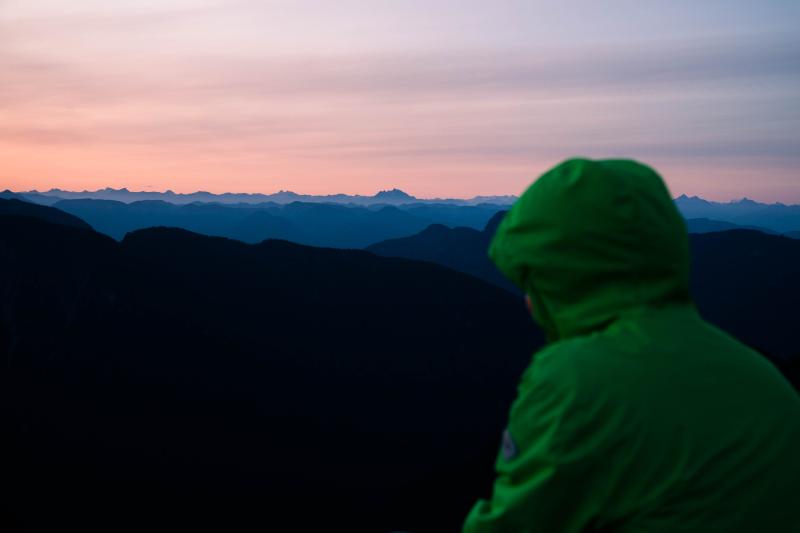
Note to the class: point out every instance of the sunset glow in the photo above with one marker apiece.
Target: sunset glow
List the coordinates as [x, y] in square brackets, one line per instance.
[440, 98]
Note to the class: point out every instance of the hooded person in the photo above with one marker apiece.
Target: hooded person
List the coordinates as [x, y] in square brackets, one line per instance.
[638, 415]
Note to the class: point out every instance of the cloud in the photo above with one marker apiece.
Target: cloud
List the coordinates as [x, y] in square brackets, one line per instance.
[459, 74]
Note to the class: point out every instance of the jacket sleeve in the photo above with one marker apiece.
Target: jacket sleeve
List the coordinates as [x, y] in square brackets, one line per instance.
[552, 475]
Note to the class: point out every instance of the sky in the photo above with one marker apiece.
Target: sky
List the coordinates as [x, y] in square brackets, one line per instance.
[441, 98]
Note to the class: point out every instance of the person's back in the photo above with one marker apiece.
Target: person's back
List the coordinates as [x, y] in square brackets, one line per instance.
[638, 415]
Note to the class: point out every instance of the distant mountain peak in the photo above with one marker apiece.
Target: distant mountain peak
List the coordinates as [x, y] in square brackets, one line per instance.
[745, 201]
[687, 197]
[394, 194]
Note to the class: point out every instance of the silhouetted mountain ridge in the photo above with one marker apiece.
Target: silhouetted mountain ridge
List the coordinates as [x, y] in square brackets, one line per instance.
[746, 281]
[462, 249]
[195, 381]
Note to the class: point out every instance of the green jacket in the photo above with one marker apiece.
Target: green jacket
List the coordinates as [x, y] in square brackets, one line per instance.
[637, 416]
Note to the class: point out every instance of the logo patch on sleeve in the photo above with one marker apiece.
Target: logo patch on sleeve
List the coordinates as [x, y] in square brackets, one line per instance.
[509, 447]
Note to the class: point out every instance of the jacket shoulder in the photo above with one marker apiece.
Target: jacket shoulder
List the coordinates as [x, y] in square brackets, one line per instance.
[576, 377]
[564, 373]
[567, 358]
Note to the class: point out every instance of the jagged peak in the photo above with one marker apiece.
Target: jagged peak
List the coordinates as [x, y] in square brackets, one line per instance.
[745, 201]
[393, 193]
[687, 197]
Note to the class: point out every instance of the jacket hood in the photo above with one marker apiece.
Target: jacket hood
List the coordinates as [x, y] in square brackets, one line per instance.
[592, 240]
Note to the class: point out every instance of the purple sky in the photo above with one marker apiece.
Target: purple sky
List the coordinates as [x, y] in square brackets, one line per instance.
[440, 98]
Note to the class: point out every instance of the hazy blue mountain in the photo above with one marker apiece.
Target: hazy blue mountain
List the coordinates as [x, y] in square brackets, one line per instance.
[199, 381]
[776, 217]
[453, 215]
[390, 197]
[319, 224]
[30, 197]
[706, 225]
[10, 195]
[13, 206]
[747, 213]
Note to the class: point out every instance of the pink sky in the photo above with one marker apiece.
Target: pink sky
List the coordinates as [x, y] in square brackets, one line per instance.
[441, 98]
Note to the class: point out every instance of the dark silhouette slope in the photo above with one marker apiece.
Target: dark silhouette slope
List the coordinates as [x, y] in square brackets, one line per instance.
[747, 282]
[13, 206]
[191, 381]
[462, 249]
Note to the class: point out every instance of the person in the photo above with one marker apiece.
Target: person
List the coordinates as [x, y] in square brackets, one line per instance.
[637, 415]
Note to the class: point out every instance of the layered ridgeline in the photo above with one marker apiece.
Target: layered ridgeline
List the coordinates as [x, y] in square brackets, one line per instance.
[390, 197]
[317, 224]
[188, 381]
[340, 220]
[777, 217]
[745, 281]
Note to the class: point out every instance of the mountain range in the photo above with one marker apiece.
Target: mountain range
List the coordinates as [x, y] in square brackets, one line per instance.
[318, 224]
[706, 215]
[388, 197]
[780, 218]
[312, 223]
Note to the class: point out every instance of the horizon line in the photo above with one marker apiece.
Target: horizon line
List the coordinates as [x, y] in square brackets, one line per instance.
[281, 191]
[356, 195]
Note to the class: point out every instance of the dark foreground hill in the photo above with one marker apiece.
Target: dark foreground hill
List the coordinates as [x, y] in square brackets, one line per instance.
[176, 380]
[747, 282]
